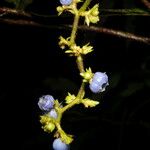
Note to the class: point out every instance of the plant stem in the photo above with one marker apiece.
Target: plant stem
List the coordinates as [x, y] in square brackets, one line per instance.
[74, 29]
[58, 126]
[80, 63]
[76, 20]
[76, 100]
[85, 5]
[79, 59]
[81, 91]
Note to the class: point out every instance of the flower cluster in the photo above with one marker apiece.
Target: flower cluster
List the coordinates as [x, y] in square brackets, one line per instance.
[92, 15]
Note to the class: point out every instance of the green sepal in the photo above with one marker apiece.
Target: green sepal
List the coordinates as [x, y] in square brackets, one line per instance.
[87, 75]
[47, 123]
[77, 50]
[69, 98]
[63, 42]
[66, 138]
[45, 119]
[49, 127]
[69, 8]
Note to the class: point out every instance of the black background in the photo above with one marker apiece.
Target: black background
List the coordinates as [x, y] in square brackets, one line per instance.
[31, 65]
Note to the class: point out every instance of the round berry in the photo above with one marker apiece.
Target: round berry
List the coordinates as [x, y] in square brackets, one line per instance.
[65, 2]
[99, 82]
[94, 87]
[46, 102]
[53, 113]
[59, 145]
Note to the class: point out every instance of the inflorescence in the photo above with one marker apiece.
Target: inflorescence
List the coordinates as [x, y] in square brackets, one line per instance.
[53, 110]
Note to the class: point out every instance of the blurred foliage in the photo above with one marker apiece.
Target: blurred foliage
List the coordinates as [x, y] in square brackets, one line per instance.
[131, 89]
[125, 12]
[20, 4]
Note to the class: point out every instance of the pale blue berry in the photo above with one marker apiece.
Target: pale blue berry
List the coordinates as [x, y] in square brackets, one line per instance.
[59, 145]
[94, 87]
[65, 2]
[99, 82]
[46, 102]
[53, 113]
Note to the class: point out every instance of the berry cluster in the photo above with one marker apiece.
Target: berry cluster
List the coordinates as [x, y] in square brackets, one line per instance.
[46, 103]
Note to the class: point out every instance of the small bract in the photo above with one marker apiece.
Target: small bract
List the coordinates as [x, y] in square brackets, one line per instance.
[65, 2]
[46, 102]
[59, 145]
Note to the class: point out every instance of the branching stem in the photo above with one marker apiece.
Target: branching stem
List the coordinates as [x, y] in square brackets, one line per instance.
[79, 59]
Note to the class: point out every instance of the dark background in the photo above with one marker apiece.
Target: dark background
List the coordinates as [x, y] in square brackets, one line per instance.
[32, 65]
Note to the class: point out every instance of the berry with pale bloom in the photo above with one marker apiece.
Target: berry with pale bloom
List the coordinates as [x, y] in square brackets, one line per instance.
[99, 82]
[46, 102]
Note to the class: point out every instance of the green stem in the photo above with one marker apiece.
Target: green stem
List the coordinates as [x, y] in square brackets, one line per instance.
[81, 91]
[79, 59]
[74, 29]
[58, 126]
[85, 5]
[74, 102]
[77, 99]
[59, 115]
[80, 64]
[76, 20]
